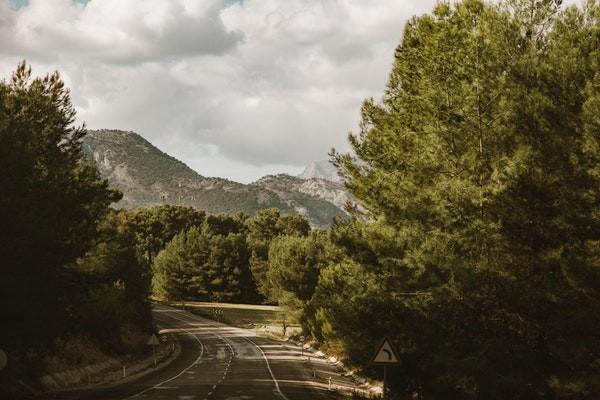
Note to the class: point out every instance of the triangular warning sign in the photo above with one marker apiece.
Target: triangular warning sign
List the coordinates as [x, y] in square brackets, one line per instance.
[386, 354]
[153, 340]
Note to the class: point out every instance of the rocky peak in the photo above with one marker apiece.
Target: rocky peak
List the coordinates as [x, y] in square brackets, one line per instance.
[321, 170]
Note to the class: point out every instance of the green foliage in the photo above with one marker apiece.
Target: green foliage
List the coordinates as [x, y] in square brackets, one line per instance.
[51, 204]
[224, 259]
[223, 224]
[176, 267]
[481, 169]
[294, 266]
[117, 282]
[155, 227]
[293, 224]
[70, 272]
[262, 229]
[201, 265]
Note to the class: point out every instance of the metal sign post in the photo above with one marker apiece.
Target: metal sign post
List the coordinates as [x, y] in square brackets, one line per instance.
[385, 355]
[384, 382]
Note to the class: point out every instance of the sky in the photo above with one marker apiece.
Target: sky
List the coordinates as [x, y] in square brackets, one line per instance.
[234, 88]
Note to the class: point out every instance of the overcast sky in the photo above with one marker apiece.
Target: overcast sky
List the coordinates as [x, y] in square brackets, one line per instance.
[236, 89]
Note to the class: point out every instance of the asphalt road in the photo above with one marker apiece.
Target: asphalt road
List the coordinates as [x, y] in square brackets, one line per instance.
[221, 362]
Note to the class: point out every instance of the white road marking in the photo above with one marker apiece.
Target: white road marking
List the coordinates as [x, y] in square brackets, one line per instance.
[206, 321]
[224, 340]
[269, 368]
[179, 374]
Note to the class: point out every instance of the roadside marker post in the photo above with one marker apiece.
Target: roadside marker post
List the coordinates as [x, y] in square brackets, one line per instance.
[153, 341]
[385, 355]
[302, 339]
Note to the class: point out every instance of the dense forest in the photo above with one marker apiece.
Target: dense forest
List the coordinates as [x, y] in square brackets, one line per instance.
[476, 249]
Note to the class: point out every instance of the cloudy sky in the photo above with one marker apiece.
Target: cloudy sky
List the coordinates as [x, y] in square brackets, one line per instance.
[234, 88]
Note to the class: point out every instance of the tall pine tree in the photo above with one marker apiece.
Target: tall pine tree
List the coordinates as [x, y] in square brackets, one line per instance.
[50, 207]
[481, 166]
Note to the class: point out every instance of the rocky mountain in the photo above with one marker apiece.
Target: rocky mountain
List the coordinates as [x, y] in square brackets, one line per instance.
[318, 198]
[320, 170]
[148, 177]
[332, 192]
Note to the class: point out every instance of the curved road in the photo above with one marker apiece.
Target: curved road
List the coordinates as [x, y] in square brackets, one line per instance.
[218, 362]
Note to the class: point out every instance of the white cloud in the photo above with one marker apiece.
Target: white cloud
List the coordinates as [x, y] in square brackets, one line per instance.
[234, 89]
[125, 31]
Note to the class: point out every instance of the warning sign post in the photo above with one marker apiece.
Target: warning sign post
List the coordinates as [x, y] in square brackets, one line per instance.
[385, 355]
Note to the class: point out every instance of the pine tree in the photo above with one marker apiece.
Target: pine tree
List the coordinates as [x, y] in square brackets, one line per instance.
[480, 166]
[50, 207]
[262, 229]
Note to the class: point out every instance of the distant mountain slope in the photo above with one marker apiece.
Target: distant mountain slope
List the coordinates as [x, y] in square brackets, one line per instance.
[149, 177]
[323, 189]
[321, 170]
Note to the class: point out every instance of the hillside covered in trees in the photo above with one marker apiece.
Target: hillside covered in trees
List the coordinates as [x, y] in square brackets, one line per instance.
[147, 177]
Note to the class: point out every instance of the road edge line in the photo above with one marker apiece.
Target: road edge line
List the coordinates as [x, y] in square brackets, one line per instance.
[269, 368]
[180, 373]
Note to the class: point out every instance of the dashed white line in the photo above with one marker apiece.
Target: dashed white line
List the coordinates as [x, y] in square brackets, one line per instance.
[277, 388]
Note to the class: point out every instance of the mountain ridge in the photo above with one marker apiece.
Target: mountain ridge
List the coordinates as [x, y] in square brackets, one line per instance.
[147, 177]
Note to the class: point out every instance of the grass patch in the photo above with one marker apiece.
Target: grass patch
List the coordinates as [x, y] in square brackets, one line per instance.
[264, 319]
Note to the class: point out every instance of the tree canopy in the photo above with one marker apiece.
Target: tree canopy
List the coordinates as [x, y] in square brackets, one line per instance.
[50, 208]
[71, 271]
[480, 168]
